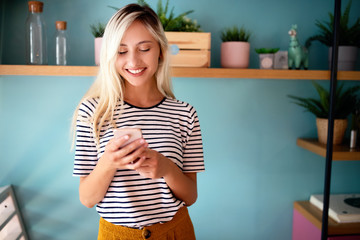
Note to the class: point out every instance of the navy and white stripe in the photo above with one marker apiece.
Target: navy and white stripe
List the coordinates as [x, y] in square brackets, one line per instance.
[172, 128]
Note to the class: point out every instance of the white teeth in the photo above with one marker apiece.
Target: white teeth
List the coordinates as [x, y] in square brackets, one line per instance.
[135, 71]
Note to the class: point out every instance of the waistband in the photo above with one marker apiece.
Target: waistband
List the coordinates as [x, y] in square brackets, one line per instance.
[146, 232]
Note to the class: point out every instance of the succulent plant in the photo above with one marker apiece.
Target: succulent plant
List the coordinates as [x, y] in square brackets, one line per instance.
[235, 34]
[97, 29]
[266, 50]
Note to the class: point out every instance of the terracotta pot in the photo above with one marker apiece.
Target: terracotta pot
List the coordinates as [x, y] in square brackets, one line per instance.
[340, 126]
[98, 42]
[235, 54]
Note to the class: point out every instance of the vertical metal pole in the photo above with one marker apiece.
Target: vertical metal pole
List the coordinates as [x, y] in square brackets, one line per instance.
[329, 147]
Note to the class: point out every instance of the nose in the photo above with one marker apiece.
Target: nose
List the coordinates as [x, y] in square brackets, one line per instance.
[133, 59]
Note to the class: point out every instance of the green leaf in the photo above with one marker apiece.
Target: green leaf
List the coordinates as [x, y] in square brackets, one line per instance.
[346, 101]
[235, 34]
[178, 23]
[348, 36]
[98, 29]
[266, 50]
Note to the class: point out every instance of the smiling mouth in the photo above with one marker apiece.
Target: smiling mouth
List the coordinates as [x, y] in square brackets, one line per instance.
[136, 71]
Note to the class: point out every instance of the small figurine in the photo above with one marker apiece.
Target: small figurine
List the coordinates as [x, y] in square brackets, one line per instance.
[297, 55]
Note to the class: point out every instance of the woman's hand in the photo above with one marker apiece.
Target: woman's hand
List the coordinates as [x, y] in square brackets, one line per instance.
[93, 187]
[156, 165]
[128, 157]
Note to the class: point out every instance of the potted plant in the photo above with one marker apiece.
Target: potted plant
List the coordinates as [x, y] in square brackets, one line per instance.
[345, 103]
[349, 39]
[189, 46]
[266, 57]
[180, 23]
[97, 31]
[235, 47]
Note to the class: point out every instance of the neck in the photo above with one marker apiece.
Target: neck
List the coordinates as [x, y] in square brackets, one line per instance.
[144, 96]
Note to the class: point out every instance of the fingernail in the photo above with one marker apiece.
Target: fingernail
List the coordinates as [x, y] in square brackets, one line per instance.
[142, 141]
[126, 137]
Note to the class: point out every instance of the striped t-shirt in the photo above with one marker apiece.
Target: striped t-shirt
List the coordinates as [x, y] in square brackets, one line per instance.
[171, 128]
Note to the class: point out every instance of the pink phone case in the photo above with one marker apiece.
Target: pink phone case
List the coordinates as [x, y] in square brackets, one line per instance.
[134, 134]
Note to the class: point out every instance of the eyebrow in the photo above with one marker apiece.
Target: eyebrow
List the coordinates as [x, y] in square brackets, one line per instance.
[139, 43]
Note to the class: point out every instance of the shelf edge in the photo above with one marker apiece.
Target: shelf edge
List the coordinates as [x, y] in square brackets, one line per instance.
[320, 149]
[52, 70]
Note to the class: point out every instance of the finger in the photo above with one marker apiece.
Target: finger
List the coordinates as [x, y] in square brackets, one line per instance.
[115, 143]
[144, 173]
[133, 156]
[137, 163]
[130, 148]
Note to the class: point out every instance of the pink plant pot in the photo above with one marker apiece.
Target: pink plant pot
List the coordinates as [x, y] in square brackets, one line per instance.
[235, 54]
[98, 42]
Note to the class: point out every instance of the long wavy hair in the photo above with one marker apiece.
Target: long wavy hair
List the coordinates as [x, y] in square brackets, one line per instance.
[108, 87]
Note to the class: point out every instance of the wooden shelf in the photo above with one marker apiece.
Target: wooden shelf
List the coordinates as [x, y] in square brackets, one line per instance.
[263, 73]
[314, 215]
[340, 152]
[48, 70]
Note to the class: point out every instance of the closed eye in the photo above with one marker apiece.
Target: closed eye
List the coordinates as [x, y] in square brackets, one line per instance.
[122, 52]
[144, 50]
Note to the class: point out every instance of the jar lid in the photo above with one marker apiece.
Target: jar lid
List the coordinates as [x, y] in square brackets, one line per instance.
[60, 25]
[35, 6]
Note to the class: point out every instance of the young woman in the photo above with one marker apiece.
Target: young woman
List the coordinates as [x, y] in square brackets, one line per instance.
[140, 190]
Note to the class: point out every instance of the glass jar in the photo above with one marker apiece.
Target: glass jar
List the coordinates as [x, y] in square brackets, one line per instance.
[61, 43]
[35, 35]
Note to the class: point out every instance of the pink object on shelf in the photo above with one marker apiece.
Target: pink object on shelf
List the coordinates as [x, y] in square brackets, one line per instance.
[303, 229]
[235, 54]
[98, 42]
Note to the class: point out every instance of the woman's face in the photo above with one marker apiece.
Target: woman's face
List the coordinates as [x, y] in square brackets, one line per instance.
[138, 56]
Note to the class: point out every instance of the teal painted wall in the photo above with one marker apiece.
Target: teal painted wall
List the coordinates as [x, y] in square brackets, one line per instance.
[269, 22]
[254, 170]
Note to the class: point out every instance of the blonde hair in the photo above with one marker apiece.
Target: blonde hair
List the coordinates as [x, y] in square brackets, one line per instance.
[108, 86]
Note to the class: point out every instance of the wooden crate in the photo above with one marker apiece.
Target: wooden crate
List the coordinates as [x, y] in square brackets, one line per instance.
[193, 49]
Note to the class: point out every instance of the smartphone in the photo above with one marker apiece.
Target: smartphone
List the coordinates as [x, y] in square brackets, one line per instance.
[134, 134]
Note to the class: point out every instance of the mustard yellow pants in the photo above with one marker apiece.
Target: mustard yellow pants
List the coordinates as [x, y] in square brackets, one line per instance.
[179, 228]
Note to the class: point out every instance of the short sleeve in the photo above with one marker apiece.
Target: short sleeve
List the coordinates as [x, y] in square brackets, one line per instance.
[193, 157]
[85, 150]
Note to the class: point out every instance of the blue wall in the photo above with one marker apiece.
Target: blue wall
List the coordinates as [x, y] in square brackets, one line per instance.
[269, 22]
[254, 170]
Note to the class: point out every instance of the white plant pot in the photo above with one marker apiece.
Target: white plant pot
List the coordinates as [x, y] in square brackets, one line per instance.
[347, 56]
[266, 60]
